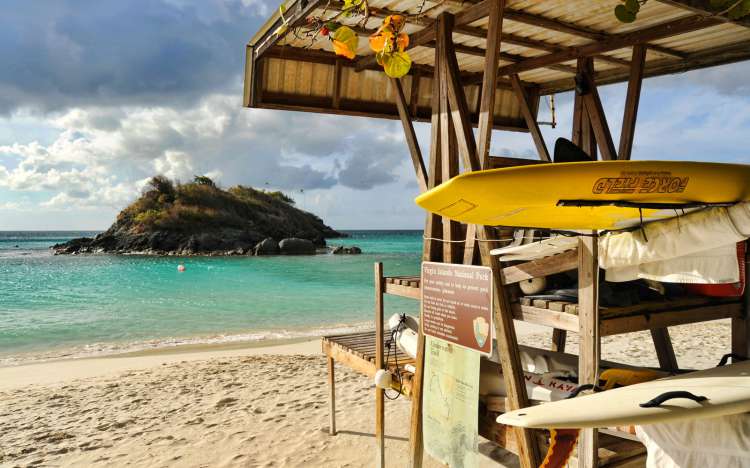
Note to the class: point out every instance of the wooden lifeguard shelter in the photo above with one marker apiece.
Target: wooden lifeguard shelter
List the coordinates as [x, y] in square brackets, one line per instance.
[486, 65]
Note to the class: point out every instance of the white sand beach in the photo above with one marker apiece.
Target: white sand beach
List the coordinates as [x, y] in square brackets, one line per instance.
[234, 406]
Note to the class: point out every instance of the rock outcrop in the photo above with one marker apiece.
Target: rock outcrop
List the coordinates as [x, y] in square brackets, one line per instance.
[199, 218]
[295, 246]
[342, 250]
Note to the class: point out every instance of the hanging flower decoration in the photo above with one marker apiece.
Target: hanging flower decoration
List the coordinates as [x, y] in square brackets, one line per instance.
[389, 45]
[389, 42]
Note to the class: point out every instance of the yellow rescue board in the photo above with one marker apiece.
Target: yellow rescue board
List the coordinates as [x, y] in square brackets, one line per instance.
[722, 391]
[530, 196]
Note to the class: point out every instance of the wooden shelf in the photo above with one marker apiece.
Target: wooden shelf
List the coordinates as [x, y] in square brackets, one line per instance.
[644, 316]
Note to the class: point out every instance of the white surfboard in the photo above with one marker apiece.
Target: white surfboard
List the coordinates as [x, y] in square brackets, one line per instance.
[726, 391]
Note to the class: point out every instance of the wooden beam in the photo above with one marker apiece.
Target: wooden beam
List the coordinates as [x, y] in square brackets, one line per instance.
[379, 364]
[433, 230]
[449, 153]
[700, 7]
[590, 352]
[613, 42]
[536, 133]
[705, 58]
[504, 328]
[598, 120]
[456, 97]
[410, 135]
[295, 13]
[664, 349]
[486, 112]
[631, 102]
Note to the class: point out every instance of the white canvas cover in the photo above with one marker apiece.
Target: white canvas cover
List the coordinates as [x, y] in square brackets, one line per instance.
[698, 248]
[722, 442]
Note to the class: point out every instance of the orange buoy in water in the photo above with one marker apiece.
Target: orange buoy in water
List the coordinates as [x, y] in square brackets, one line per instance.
[180, 268]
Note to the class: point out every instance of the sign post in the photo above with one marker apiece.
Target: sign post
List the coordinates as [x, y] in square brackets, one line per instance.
[457, 324]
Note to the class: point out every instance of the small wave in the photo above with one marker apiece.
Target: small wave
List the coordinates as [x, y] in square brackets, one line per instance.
[110, 349]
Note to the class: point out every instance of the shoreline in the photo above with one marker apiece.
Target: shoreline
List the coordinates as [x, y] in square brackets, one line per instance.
[64, 370]
[178, 345]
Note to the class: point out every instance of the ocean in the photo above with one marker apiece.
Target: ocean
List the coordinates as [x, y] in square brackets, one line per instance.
[73, 306]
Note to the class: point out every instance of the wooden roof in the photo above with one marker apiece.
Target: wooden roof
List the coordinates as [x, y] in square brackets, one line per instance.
[541, 41]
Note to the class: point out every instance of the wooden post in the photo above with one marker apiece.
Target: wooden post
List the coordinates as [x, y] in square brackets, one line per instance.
[588, 318]
[379, 364]
[558, 340]
[598, 120]
[410, 135]
[331, 398]
[503, 315]
[584, 133]
[449, 155]
[486, 109]
[433, 227]
[416, 444]
[741, 326]
[631, 102]
[489, 83]
[337, 69]
[528, 115]
[664, 349]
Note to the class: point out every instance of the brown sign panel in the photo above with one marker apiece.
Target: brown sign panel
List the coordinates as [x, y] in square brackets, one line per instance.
[457, 304]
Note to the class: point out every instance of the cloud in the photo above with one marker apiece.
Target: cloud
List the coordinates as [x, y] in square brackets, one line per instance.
[102, 156]
[62, 53]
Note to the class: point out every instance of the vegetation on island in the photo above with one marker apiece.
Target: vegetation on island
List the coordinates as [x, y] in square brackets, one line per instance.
[199, 217]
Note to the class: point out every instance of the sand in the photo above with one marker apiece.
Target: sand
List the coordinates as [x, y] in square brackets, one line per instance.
[234, 406]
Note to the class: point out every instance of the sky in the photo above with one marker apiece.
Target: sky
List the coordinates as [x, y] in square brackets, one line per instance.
[96, 97]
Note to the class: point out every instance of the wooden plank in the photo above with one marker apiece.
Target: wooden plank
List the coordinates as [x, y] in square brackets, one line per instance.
[337, 84]
[414, 94]
[559, 263]
[578, 110]
[379, 364]
[410, 136]
[741, 325]
[664, 350]
[559, 337]
[669, 318]
[540, 303]
[546, 317]
[598, 120]
[632, 100]
[331, 397]
[488, 89]
[530, 117]
[612, 43]
[589, 352]
[403, 291]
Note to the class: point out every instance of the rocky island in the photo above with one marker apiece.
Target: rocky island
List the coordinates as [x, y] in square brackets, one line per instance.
[199, 218]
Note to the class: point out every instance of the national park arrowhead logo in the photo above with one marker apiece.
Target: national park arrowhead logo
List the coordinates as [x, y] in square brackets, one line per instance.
[481, 330]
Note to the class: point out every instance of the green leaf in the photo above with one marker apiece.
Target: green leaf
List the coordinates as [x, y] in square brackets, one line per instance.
[396, 64]
[632, 6]
[623, 14]
[742, 9]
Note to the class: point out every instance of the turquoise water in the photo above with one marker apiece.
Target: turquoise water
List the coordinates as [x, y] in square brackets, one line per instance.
[57, 305]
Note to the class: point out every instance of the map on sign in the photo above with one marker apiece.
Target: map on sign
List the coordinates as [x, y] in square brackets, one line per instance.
[450, 404]
[457, 304]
